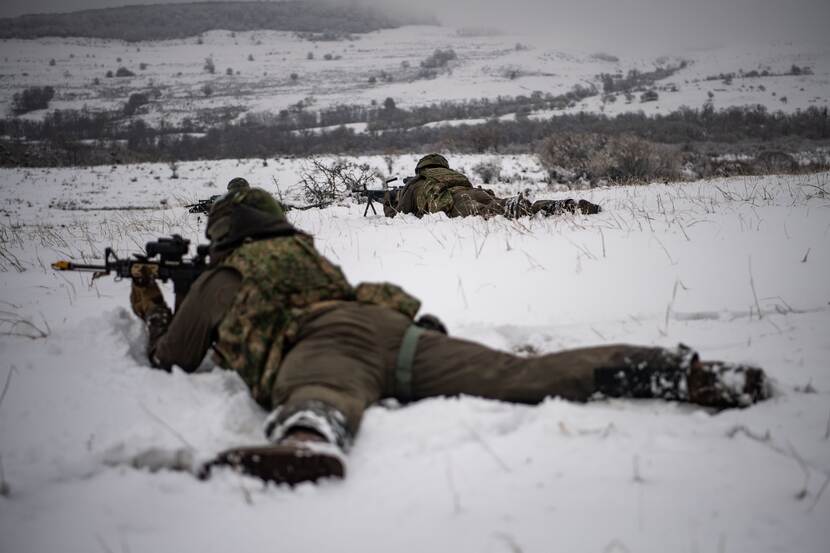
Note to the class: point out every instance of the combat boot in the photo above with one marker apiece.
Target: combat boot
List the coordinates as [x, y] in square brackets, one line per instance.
[558, 207]
[307, 443]
[301, 456]
[587, 208]
[517, 206]
[679, 375]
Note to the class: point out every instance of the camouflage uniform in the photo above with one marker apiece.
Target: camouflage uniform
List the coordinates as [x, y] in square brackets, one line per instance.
[439, 189]
[318, 352]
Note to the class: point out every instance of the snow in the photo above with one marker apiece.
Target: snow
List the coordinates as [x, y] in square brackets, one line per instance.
[737, 268]
[485, 64]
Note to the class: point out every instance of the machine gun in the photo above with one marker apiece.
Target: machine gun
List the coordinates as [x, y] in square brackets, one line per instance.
[170, 264]
[380, 195]
[203, 206]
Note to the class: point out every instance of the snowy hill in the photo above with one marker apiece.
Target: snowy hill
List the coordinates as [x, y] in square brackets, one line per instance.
[737, 268]
[270, 71]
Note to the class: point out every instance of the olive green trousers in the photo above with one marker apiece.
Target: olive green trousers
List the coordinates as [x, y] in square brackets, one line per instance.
[349, 357]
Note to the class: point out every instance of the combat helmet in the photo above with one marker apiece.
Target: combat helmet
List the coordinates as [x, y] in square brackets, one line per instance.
[432, 160]
[238, 184]
[243, 213]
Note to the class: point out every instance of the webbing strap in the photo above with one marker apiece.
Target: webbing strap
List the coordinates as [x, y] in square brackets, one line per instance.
[403, 368]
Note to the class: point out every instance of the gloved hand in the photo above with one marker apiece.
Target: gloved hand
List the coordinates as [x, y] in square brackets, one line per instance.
[145, 293]
[431, 322]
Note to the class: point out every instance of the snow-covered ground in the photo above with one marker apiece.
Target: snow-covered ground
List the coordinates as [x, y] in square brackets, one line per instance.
[738, 268]
[262, 63]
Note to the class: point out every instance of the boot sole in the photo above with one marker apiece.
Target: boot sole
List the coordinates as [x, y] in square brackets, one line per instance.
[279, 464]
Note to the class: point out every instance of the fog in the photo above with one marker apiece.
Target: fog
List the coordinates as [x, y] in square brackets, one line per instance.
[665, 25]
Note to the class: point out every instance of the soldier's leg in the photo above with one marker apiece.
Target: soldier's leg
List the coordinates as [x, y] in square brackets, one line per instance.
[328, 378]
[446, 366]
[449, 366]
[474, 202]
[335, 370]
[558, 207]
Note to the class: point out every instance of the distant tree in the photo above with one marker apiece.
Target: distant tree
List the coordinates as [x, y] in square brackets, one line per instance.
[309, 56]
[142, 66]
[649, 96]
[32, 99]
[439, 58]
[207, 90]
[389, 104]
[373, 79]
[209, 67]
[294, 76]
[52, 62]
[134, 102]
[109, 74]
[250, 57]
[124, 72]
[229, 71]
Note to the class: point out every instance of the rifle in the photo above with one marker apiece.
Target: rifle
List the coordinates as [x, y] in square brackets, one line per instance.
[380, 195]
[203, 206]
[170, 264]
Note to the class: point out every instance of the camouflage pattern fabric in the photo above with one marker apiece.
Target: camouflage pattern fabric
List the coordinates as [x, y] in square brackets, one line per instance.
[434, 189]
[388, 295]
[281, 278]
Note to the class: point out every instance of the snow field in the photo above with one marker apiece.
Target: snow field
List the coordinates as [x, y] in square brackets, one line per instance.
[487, 67]
[737, 268]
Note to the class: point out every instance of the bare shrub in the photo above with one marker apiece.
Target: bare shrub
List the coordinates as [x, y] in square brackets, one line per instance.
[570, 157]
[488, 170]
[638, 160]
[324, 184]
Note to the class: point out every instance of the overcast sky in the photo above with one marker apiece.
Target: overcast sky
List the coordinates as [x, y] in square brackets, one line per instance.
[612, 24]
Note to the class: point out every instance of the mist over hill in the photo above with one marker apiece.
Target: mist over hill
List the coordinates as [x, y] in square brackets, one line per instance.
[168, 21]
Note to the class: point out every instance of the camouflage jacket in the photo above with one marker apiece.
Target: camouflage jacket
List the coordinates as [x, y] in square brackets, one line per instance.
[431, 191]
[283, 279]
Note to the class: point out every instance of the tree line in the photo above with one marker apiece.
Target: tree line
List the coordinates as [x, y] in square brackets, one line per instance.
[74, 137]
[167, 21]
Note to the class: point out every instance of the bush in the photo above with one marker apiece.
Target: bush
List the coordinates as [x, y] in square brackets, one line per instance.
[439, 58]
[570, 157]
[649, 96]
[134, 102]
[324, 184]
[124, 72]
[489, 171]
[637, 160]
[32, 99]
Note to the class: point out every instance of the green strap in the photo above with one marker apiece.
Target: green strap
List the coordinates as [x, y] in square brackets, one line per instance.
[403, 368]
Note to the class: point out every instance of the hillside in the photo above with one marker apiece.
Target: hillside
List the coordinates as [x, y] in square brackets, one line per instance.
[168, 21]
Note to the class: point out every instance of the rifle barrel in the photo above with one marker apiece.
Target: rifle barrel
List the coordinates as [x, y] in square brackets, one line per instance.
[64, 265]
